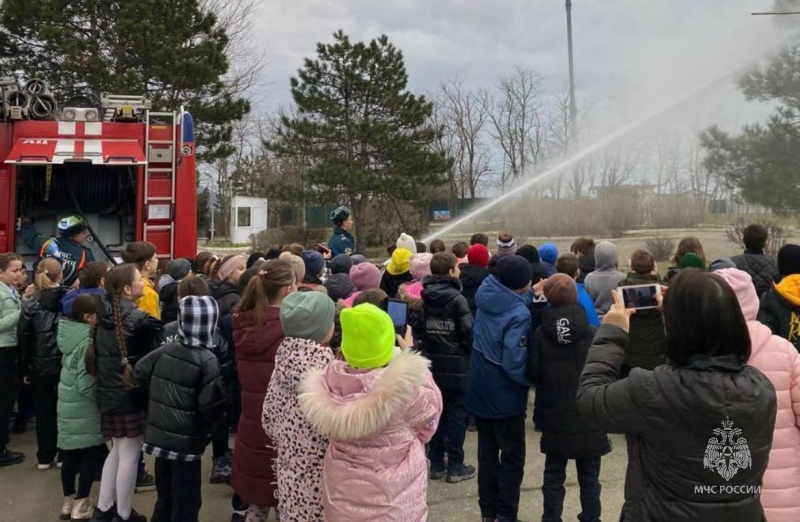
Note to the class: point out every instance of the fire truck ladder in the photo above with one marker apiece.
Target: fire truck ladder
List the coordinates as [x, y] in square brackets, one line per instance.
[159, 182]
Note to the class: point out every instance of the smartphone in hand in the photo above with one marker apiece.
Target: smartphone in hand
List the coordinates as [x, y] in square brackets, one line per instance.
[640, 297]
[398, 312]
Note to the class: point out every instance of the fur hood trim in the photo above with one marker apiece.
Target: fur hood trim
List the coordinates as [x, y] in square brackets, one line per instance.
[342, 418]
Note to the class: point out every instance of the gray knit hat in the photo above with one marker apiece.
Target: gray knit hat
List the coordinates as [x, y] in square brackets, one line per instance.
[307, 315]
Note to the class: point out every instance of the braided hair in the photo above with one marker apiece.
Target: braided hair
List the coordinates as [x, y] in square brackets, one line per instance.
[117, 279]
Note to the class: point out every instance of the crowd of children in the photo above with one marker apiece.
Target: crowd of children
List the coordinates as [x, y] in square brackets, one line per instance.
[337, 414]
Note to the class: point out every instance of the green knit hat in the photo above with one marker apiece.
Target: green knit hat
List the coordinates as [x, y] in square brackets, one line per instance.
[368, 336]
[692, 261]
[307, 315]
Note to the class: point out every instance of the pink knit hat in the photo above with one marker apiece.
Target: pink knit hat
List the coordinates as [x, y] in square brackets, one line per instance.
[742, 285]
[365, 276]
[421, 265]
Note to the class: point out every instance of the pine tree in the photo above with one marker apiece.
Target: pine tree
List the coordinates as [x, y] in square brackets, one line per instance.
[361, 134]
[170, 50]
[763, 160]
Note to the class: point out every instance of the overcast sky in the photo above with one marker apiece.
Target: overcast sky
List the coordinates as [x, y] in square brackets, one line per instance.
[628, 53]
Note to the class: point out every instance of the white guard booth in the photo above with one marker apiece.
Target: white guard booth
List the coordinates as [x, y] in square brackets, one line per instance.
[248, 216]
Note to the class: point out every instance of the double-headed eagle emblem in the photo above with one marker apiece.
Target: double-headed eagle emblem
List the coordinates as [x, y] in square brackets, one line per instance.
[727, 452]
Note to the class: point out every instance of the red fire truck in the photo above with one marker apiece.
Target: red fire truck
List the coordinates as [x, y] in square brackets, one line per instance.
[127, 170]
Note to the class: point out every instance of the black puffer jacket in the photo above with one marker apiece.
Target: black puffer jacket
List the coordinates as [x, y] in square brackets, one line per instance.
[555, 362]
[391, 283]
[226, 294]
[763, 269]
[647, 345]
[141, 336]
[37, 334]
[168, 295]
[675, 421]
[781, 315]
[445, 331]
[221, 349]
[187, 397]
[471, 278]
[672, 272]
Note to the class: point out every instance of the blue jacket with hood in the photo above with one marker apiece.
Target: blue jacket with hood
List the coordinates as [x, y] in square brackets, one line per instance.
[69, 298]
[498, 384]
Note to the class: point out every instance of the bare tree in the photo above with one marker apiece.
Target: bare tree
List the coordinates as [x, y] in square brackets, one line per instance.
[448, 145]
[465, 116]
[517, 120]
[703, 182]
[247, 61]
[668, 159]
[618, 167]
[561, 142]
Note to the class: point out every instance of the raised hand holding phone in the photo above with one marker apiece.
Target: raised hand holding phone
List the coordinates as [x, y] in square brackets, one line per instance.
[618, 315]
[407, 341]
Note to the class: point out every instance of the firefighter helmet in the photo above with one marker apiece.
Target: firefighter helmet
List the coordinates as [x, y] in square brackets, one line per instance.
[71, 226]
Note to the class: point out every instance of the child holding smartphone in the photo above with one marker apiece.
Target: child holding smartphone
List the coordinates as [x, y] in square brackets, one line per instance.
[647, 344]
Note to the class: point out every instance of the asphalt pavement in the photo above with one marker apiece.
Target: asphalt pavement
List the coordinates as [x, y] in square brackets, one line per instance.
[27, 494]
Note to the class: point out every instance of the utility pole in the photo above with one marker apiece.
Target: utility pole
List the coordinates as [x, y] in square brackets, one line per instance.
[573, 108]
[211, 198]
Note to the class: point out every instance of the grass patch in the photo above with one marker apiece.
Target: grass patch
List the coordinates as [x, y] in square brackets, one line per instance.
[224, 243]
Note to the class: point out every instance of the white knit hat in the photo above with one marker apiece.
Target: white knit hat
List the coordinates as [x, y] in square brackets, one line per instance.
[407, 242]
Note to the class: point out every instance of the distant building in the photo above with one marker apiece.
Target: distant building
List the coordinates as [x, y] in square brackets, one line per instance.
[248, 216]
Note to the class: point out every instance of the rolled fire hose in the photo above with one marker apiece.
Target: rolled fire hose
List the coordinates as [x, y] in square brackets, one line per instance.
[43, 107]
[16, 99]
[89, 226]
[35, 87]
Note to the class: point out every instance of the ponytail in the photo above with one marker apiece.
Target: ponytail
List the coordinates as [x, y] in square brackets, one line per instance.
[127, 369]
[48, 274]
[90, 359]
[118, 278]
[213, 267]
[264, 289]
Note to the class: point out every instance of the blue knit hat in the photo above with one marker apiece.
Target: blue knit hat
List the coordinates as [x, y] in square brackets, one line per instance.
[514, 272]
[314, 262]
[548, 253]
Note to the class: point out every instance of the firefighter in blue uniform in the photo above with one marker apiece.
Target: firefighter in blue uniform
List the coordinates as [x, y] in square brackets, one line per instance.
[342, 241]
[67, 247]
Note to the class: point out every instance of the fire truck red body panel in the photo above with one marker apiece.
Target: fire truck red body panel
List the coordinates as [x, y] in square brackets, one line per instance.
[166, 200]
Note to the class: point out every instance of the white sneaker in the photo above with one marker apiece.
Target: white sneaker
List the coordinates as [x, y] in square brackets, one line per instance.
[83, 509]
[44, 467]
[66, 508]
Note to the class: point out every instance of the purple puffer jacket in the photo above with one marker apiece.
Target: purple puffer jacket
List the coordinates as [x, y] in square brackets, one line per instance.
[378, 422]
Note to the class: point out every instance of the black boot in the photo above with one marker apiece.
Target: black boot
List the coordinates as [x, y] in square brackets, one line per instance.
[9, 458]
[135, 517]
[104, 516]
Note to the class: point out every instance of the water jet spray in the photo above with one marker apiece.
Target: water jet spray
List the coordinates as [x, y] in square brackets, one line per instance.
[589, 150]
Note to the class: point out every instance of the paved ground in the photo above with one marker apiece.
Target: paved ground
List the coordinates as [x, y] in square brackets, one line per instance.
[30, 495]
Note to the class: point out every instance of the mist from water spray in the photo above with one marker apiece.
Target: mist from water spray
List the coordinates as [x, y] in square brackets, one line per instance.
[598, 146]
[595, 147]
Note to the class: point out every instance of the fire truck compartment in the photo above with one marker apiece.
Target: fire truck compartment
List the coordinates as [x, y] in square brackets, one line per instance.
[29, 151]
[104, 195]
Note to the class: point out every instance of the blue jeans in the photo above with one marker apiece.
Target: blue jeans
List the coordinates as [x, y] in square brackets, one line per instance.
[452, 430]
[555, 472]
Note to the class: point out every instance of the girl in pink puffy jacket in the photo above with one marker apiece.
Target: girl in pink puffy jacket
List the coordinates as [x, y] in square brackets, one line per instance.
[779, 361]
[377, 410]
